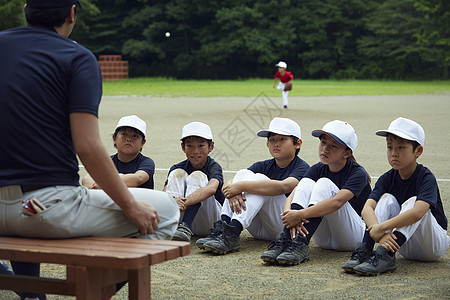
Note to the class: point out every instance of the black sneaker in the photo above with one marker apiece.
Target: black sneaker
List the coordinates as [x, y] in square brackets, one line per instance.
[276, 247]
[361, 254]
[295, 252]
[224, 242]
[183, 233]
[380, 262]
[213, 232]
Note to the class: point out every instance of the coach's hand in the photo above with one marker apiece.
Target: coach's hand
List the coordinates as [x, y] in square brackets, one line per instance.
[144, 216]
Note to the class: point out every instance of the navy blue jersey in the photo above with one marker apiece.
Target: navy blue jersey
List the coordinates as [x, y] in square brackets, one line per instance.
[296, 169]
[422, 184]
[140, 163]
[212, 169]
[44, 77]
[351, 177]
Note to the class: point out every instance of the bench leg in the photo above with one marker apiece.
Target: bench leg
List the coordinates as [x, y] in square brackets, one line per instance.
[88, 283]
[139, 284]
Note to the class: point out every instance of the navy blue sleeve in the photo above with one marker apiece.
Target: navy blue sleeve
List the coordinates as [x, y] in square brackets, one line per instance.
[299, 171]
[381, 187]
[85, 88]
[313, 172]
[257, 167]
[356, 181]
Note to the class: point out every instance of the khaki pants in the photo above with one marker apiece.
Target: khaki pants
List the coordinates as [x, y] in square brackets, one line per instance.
[74, 211]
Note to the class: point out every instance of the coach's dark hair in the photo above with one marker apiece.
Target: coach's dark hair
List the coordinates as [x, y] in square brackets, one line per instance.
[53, 17]
[294, 140]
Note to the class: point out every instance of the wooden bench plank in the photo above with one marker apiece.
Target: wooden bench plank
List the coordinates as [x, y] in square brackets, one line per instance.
[103, 251]
[94, 264]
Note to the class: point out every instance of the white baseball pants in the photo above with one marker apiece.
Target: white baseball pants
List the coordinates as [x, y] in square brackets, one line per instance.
[340, 230]
[262, 216]
[74, 211]
[284, 94]
[426, 240]
[180, 184]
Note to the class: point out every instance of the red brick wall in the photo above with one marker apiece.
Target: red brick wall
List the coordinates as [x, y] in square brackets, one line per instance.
[113, 67]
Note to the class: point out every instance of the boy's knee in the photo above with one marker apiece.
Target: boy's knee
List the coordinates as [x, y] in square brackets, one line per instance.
[178, 173]
[242, 175]
[409, 204]
[197, 177]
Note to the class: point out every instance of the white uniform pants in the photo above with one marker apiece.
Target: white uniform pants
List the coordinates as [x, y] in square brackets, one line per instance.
[262, 216]
[284, 94]
[74, 211]
[426, 240]
[340, 230]
[180, 184]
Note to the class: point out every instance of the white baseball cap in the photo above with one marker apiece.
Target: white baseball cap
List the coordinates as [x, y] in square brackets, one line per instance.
[135, 122]
[341, 132]
[406, 129]
[196, 129]
[282, 126]
[281, 64]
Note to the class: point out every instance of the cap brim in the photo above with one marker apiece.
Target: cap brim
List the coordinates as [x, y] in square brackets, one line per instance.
[394, 132]
[197, 135]
[319, 133]
[265, 133]
[131, 126]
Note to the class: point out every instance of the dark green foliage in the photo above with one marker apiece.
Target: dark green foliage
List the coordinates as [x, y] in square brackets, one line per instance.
[11, 14]
[231, 39]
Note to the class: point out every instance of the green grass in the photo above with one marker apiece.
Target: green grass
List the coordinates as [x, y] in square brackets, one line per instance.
[253, 87]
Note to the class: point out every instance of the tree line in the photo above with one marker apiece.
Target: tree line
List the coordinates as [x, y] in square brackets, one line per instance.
[236, 39]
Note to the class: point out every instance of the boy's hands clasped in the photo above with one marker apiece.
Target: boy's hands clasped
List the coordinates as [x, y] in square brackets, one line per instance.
[385, 239]
[292, 219]
[236, 197]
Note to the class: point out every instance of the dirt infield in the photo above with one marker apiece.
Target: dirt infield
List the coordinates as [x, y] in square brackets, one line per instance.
[234, 122]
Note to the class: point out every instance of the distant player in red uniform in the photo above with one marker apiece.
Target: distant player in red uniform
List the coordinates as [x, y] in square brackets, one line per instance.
[285, 84]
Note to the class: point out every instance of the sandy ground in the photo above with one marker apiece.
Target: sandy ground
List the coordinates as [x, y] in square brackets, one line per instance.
[234, 121]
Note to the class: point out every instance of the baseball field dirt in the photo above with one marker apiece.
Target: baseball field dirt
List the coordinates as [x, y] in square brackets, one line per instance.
[234, 122]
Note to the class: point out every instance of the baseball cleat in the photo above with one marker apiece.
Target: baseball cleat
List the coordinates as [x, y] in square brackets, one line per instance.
[213, 233]
[183, 233]
[276, 247]
[380, 262]
[295, 253]
[361, 254]
[226, 241]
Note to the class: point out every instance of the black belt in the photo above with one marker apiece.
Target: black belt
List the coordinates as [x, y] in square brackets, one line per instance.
[26, 188]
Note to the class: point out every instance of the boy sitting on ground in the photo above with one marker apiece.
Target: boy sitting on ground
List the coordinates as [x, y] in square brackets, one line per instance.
[196, 183]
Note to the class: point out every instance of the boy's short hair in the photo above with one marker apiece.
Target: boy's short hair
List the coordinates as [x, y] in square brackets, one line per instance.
[406, 129]
[49, 12]
[194, 137]
[396, 137]
[126, 128]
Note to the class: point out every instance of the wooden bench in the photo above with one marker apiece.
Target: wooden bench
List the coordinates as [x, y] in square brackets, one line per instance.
[94, 265]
